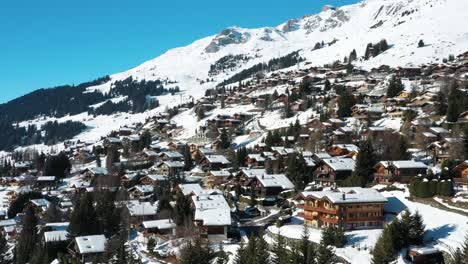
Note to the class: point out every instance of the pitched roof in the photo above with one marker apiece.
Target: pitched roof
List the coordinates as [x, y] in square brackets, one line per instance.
[275, 180]
[348, 195]
[160, 224]
[212, 210]
[91, 244]
[339, 164]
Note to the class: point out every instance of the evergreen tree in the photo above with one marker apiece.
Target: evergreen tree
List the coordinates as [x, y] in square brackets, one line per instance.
[28, 236]
[124, 254]
[84, 219]
[324, 254]
[416, 230]
[327, 85]
[352, 56]
[279, 252]
[384, 252]
[365, 162]
[188, 161]
[262, 255]
[196, 251]
[58, 165]
[224, 139]
[221, 256]
[151, 245]
[241, 257]
[395, 87]
[421, 43]
[402, 153]
[306, 248]
[345, 102]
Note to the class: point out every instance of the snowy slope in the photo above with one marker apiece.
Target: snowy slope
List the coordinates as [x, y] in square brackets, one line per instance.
[440, 23]
[401, 22]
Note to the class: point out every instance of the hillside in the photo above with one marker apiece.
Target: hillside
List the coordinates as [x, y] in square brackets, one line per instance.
[321, 38]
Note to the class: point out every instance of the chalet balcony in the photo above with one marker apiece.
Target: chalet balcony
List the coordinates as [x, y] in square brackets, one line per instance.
[318, 209]
[369, 218]
[333, 220]
[307, 217]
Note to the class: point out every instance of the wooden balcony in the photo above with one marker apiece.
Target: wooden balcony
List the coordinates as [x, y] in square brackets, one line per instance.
[307, 217]
[333, 220]
[361, 219]
[318, 209]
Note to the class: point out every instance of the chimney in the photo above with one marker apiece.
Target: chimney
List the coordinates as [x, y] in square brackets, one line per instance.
[344, 196]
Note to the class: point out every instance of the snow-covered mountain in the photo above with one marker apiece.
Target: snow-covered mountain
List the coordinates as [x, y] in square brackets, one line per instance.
[439, 23]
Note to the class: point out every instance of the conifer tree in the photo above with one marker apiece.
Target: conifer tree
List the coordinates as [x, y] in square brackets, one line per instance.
[221, 256]
[196, 251]
[84, 219]
[151, 245]
[279, 252]
[306, 248]
[384, 252]
[188, 161]
[324, 254]
[394, 87]
[420, 43]
[240, 257]
[365, 162]
[28, 236]
[262, 254]
[224, 139]
[4, 250]
[345, 102]
[416, 229]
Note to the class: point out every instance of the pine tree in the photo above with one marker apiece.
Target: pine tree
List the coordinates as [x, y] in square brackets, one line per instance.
[151, 245]
[221, 256]
[383, 252]
[224, 139]
[279, 252]
[421, 43]
[241, 257]
[84, 219]
[416, 229]
[306, 248]
[262, 255]
[352, 56]
[465, 250]
[28, 236]
[402, 149]
[188, 161]
[395, 87]
[345, 102]
[365, 162]
[327, 85]
[197, 251]
[324, 254]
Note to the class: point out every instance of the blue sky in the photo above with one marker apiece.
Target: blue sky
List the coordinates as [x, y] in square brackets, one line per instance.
[52, 42]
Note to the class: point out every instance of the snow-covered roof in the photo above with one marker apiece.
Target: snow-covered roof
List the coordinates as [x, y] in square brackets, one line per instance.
[221, 173]
[348, 195]
[404, 164]
[349, 147]
[174, 164]
[40, 202]
[160, 224]
[340, 164]
[275, 180]
[91, 244]
[252, 173]
[439, 130]
[172, 154]
[218, 159]
[98, 170]
[190, 188]
[143, 188]
[137, 208]
[53, 236]
[212, 210]
[45, 178]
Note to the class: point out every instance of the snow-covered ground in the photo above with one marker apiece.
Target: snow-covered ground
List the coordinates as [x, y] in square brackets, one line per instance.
[446, 229]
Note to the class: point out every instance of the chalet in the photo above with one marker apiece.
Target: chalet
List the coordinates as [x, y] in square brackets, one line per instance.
[269, 186]
[215, 162]
[150, 155]
[112, 141]
[140, 192]
[255, 160]
[463, 118]
[334, 170]
[351, 208]
[162, 227]
[88, 248]
[189, 189]
[171, 168]
[40, 205]
[440, 132]
[217, 178]
[349, 150]
[212, 216]
[141, 211]
[45, 182]
[129, 179]
[153, 179]
[125, 131]
[461, 172]
[423, 255]
[398, 170]
[171, 156]
[441, 150]
[93, 172]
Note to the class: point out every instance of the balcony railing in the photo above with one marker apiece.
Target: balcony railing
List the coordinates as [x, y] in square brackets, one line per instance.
[319, 209]
[333, 220]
